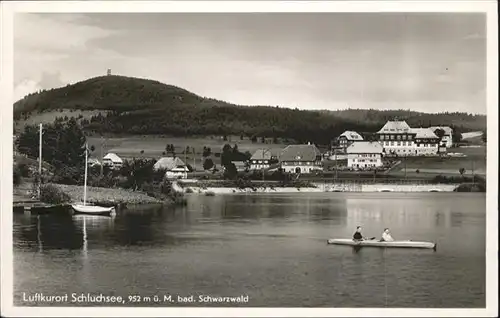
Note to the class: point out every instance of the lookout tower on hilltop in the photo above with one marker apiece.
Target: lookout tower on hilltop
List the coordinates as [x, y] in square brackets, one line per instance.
[109, 72]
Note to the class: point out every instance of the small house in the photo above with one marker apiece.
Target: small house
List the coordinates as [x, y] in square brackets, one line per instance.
[240, 165]
[264, 158]
[301, 159]
[92, 162]
[347, 138]
[112, 160]
[426, 141]
[364, 155]
[174, 166]
[177, 173]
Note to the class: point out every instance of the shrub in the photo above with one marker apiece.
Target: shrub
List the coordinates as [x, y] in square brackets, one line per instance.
[23, 169]
[189, 190]
[68, 175]
[52, 194]
[178, 198]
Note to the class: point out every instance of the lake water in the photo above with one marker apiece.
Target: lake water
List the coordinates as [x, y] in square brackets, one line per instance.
[269, 247]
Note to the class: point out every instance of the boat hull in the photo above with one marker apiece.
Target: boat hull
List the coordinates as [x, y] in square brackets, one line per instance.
[93, 210]
[377, 243]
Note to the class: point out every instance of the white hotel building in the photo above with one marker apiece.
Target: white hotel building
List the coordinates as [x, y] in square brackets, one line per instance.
[397, 138]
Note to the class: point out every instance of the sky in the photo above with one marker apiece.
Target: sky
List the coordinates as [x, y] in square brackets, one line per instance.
[419, 61]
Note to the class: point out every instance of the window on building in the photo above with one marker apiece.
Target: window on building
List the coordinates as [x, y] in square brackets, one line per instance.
[404, 137]
[410, 137]
[398, 137]
[392, 143]
[392, 137]
[399, 143]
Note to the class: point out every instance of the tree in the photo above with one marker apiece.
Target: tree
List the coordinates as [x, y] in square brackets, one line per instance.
[226, 156]
[461, 171]
[439, 132]
[230, 171]
[254, 139]
[208, 164]
[142, 152]
[206, 152]
[263, 139]
[63, 143]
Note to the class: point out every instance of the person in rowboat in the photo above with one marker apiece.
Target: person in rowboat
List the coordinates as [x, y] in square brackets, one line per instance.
[386, 236]
[357, 235]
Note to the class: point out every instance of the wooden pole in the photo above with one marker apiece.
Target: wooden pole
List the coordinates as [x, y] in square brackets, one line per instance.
[405, 166]
[472, 171]
[40, 162]
[336, 166]
[194, 159]
[86, 167]
[102, 156]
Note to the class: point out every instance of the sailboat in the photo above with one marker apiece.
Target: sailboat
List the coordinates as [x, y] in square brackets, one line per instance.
[90, 209]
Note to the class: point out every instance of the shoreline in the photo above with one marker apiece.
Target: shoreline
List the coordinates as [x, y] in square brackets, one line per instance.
[359, 188]
[108, 196]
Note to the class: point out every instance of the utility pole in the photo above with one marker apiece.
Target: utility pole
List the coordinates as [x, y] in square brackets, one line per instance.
[336, 166]
[194, 159]
[40, 162]
[405, 166]
[102, 155]
[472, 171]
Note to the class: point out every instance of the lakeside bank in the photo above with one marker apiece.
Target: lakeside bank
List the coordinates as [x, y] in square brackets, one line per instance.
[207, 188]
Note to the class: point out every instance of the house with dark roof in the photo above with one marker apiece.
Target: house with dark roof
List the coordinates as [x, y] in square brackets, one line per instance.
[264, 158]
[364, 155]
[301, 159]
[347, 138]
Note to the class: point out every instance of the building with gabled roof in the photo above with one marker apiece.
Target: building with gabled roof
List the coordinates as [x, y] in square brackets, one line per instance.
[112, 160]
[399, 139]
[364, 155]
[168, 163]
[301, 159]
[263, 158]
[347, 138]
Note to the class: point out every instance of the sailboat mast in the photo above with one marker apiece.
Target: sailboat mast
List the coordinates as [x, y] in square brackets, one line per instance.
[85, 184]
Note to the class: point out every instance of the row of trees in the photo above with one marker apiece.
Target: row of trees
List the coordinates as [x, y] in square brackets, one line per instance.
[63, 143]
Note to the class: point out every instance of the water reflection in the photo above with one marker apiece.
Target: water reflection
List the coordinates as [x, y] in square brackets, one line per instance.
[272, 246]
[456, 219]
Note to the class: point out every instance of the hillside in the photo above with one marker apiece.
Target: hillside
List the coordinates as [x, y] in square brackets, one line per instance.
[126, 105]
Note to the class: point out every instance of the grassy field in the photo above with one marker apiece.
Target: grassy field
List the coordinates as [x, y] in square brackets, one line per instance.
[154, 146]
[476, 159]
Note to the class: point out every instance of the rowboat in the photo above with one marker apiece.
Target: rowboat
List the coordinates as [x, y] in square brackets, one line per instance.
[377, 243]
[92, 209]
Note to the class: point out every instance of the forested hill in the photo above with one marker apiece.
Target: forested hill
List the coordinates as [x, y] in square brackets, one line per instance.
[140, 106]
